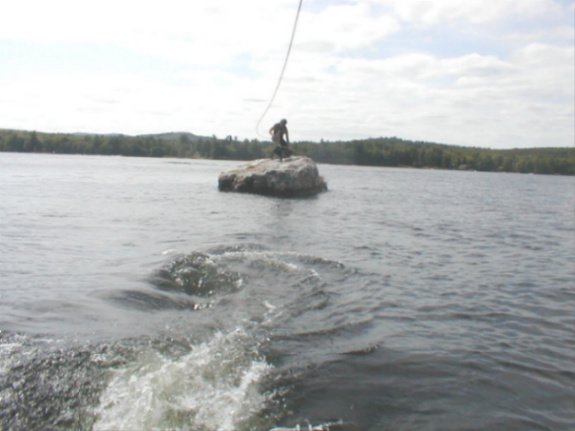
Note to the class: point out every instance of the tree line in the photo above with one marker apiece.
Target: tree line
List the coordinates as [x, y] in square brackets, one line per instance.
[391, 152]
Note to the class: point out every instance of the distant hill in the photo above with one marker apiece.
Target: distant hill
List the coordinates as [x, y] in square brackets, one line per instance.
[167, 136]
[388, 152]
[174, 136]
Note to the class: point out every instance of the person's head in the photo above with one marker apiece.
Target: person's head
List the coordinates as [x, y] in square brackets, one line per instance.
[283, 121]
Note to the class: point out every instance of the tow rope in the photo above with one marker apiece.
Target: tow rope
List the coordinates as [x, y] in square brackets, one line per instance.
[283, 69]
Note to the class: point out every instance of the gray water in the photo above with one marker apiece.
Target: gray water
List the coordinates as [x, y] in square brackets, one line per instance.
[135, 296]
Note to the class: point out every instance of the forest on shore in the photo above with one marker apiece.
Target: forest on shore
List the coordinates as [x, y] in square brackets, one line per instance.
[390, 152]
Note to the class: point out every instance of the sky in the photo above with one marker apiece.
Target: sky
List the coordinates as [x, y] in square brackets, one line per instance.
[497, 74]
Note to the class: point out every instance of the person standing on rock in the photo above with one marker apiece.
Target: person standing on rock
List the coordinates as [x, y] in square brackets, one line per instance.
[278, 131]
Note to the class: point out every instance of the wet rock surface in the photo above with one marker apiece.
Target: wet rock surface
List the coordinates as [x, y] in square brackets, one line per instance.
[296, 176]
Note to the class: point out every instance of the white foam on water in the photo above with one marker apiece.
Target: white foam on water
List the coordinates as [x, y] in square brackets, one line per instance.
[328, 426]
[8, 350]
[214, 387]
[274, 259]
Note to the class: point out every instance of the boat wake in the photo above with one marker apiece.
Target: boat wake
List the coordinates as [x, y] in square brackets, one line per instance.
[215, 386]
[213, 370]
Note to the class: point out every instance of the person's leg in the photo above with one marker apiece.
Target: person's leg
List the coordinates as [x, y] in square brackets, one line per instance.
[286, 152]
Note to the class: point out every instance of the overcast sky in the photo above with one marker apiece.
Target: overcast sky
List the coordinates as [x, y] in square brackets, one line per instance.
[496, 74]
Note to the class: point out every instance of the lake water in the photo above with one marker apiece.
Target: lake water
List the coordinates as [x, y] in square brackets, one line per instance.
[135, 296]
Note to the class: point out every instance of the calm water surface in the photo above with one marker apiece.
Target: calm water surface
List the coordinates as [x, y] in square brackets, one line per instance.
[135, 296]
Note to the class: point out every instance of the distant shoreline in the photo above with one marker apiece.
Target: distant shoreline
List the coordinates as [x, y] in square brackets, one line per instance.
[386, 152]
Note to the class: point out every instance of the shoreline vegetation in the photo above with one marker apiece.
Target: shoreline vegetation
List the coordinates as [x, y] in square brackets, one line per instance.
[387, 152]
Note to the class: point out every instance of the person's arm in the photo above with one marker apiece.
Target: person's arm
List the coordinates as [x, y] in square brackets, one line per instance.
[287, 136]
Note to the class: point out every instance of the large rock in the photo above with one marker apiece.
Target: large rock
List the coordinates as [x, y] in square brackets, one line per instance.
[294, 176]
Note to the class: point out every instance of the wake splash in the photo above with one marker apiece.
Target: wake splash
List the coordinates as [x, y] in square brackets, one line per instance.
[216, 386]
[224, 383]
[224, 317]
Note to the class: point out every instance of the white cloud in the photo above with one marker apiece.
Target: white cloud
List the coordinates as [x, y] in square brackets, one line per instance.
[220, 60]
[479, 99]
[343, 27]
[474, 11]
